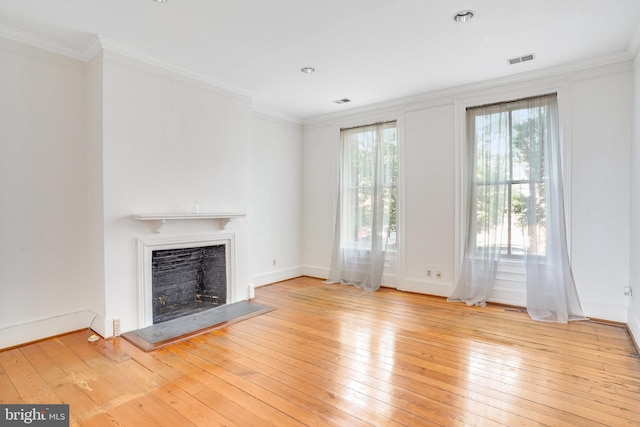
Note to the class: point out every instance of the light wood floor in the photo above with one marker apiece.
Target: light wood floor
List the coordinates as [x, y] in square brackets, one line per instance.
[336, 355]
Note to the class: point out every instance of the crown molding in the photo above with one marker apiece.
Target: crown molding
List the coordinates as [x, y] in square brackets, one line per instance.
[272, 114]
[93, 49]
[99, 43]
[438, 96]
[39, 41]
[142, 56]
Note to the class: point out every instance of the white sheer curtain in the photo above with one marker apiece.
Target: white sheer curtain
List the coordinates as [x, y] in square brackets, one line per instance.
[486, 187]
[363, 212]
[515, 207]
[551, 289]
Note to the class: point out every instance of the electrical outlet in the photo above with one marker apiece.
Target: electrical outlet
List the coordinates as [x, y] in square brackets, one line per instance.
[429, 273]
[438, 274]
[274, 262]
[116, 327]
[627, 291]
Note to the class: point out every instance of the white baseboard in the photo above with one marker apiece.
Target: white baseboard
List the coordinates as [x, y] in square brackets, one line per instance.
[444, 289]
[22, 333]
[509, 297]
[103, 326]
[317, 272]
[633, 325]
[388, 280]
[425, 287]
[276, 276]
[503, 293]
[614, 313]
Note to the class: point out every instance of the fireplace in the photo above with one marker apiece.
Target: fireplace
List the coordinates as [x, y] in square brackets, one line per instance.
[181, 275]
[187, 280]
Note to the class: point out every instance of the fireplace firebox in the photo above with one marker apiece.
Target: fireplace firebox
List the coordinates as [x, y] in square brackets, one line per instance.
[187, 280]
[183, 274]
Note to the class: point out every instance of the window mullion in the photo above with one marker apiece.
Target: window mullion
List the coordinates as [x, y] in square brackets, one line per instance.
[510, 182]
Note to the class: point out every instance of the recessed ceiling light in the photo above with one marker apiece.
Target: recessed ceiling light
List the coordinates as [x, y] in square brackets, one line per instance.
[463, 16]
[159, 1]
[308, 70]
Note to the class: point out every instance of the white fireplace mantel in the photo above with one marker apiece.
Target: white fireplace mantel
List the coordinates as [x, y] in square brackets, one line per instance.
[162, 218]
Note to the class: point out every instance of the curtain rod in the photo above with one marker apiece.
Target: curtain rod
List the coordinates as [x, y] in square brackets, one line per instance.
[370, 124]
[513, 101]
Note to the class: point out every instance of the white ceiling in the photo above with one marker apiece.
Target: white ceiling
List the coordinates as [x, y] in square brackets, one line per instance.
[366, 50]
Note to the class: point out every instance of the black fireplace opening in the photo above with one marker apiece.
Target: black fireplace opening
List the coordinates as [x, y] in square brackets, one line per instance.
[187, 280]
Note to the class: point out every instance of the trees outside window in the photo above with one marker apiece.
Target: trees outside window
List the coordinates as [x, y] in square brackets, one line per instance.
[367, 207]
[364, 175]
[514, 207]
[510, 171]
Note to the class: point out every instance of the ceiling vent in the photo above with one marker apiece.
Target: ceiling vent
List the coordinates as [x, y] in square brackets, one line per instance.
[519, 59]
[342, 101]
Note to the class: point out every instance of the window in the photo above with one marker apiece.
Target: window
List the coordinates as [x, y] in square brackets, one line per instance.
[369, 172]
[514, 207]
[366, 212]
[509, 141]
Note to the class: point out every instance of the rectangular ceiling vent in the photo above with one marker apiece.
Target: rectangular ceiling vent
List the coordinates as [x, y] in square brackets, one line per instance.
[520, 59]
[342, 101]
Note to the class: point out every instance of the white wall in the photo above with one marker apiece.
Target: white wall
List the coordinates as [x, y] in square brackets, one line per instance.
[319, 177]
[167, 141]
[86, 145]
[43, 195]
[600, 162]
[276, 167]
[634, 305]
[427, 199]
[95, 194]
[597, 109]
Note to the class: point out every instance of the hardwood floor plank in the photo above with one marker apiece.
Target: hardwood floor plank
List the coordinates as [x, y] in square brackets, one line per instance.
[160, 413]
[63, 386]
[543, 347]
[8, 392]
[445, 388]
[262, 412]
[323, 394]
[28, 383]
[506, 335]
[306, 320]
[149, 362]
[262, 403]
[99, 383]
[487, 366]
[354, 374]
[102, 419]
[276, 380]
[188, 406]
[130, 414]
[333, 355]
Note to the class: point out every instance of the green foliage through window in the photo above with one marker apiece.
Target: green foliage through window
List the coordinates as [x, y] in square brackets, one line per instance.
[361, 171]
[510, 177]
